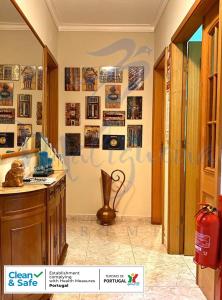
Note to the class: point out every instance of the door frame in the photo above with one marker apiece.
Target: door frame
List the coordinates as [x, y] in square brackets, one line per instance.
[158, 127]
[189, 25]
[50, 108]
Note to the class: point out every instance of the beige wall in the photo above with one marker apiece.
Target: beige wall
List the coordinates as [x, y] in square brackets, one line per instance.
[21, 48]
[83, 180]
[37, 13]
[171, 18]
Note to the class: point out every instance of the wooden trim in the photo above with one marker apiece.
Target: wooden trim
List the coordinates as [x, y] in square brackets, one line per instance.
[18, 153]
[192, 21]
[45, 97]
[183, 146]
[157, 141]
[50, 95]
[160, 59]
[52, 63]
[175, 150]
[192, 176]
[27, 22]
[63, 255]
[218, 284]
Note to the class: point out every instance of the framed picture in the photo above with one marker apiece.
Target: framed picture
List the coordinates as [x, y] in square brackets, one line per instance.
[9, 72]
[134, 107]
[134, 136]
[72, 114]
[72, 144]
[38, 137]
[136, 78]
[24, 106]
[7, 116]
[28, 77]
[112, 96]
[91, 136]
[39, 113]
[23, 131]
[92, 107]
[6, 94]
[111, 75]
[39, 78]
[6, 139]
[114, 118]
[113, 142]
[89, 79]
[72, 79]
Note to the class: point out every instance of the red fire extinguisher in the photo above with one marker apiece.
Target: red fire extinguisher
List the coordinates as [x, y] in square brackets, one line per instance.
[207, 237]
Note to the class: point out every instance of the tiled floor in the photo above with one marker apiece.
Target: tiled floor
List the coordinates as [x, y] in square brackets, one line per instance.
[131, 242]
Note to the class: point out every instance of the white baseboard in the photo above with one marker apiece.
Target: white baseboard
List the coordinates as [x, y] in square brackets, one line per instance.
[118, 218]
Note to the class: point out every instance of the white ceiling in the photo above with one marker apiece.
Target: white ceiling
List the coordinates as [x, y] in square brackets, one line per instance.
[136, 15]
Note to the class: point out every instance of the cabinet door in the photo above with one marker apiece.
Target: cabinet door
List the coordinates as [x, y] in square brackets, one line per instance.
[53, 224]
[62, 216]
[57, 225]
[23, 242]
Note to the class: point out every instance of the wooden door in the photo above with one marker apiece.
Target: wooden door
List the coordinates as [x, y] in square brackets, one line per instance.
[210, 131]
[192, 157]
[158, 142]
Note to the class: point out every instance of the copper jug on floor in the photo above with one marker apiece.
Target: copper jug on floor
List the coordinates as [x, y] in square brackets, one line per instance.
[106, 215]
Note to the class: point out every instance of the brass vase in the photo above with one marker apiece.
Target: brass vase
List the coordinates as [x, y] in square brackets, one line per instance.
[106, 215]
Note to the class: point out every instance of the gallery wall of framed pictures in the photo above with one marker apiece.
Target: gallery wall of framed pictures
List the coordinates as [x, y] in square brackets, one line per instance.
[21, 88]
[20, 103]
[106, 105]
[118, 96]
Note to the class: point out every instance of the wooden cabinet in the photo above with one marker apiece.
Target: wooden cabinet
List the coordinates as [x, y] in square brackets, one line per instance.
[33, 230]
[62, 210]
[56, 222]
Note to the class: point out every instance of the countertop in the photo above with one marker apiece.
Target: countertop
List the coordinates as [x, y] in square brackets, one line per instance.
[31, 187]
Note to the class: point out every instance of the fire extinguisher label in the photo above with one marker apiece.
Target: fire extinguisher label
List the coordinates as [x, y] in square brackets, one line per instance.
[202, 240]
[197, 248]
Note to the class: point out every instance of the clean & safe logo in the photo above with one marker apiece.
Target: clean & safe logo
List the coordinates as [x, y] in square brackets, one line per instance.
[24, 279]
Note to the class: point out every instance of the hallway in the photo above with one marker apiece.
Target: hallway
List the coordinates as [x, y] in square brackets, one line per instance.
[131, 242]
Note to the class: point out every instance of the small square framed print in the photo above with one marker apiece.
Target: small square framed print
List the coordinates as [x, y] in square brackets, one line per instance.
[72, 144]
[91, 136]
[134, 136]
[24, 106]
[114, 118]
[134, 108]
[92, 107]
[113, 142]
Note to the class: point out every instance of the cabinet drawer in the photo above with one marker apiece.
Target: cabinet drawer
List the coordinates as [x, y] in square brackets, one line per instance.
[19, 203]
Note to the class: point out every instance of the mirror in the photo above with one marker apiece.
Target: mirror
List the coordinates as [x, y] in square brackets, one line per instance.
[21, 80]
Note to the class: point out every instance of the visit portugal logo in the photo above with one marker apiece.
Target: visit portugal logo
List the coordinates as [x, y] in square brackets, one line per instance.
[133, 279]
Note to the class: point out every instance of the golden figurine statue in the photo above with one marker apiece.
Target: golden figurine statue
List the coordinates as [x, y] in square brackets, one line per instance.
[14, 177]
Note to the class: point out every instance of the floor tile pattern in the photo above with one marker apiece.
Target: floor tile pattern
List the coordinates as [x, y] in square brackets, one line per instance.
[131, 242]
